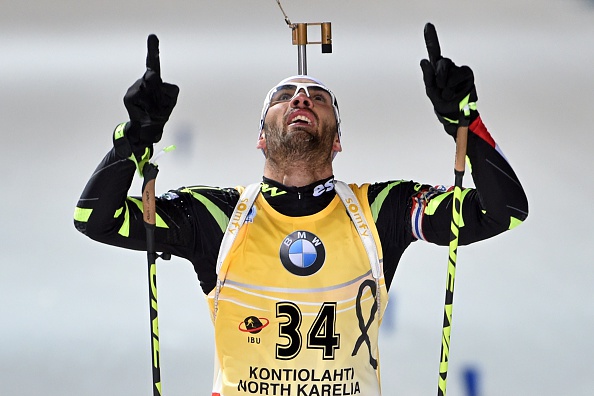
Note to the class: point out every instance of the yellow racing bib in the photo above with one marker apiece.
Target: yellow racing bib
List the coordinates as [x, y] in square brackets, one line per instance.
[297, 308]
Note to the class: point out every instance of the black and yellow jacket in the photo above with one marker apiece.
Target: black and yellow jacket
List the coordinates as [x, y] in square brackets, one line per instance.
[191, 220]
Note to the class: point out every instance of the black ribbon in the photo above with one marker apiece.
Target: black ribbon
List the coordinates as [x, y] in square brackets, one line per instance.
[364, 327]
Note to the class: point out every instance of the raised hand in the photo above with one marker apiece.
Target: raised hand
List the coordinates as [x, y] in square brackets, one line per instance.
[449, 87]
[149, 101]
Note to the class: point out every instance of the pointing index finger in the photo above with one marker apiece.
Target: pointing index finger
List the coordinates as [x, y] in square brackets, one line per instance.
[152, 56]
[432, 43]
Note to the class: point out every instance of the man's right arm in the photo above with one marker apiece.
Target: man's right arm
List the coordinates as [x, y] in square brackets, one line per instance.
[190, 221]
[104, 211]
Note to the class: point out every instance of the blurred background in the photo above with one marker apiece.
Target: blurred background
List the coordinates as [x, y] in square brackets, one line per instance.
[74, 313]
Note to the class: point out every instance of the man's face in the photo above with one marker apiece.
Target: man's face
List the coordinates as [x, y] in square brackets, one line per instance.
[300, 124]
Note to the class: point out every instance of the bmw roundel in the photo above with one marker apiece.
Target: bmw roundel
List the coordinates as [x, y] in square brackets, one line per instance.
[302, 253]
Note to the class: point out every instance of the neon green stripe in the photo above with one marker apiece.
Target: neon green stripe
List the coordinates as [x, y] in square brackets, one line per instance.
[463, 105]
[464, 193]
[118, 133]
[513, 223]
[219, 216]
[125, 228]
[143, 160]
[158, 220]
[434, 203]
[82, 214]
[381, 197]
[136, 201]
[272, 190]
[468, 164]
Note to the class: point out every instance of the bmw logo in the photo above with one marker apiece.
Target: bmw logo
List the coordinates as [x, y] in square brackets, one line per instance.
[302, 253]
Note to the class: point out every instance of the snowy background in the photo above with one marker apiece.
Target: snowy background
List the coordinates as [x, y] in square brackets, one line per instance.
[74, 313]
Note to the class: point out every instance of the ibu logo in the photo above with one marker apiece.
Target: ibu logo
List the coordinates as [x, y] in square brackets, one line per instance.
[302, 253]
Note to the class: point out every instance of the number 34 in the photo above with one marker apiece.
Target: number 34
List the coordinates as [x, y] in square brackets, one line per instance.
[321, 335]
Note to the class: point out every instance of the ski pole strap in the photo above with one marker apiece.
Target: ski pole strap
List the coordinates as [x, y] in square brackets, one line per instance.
[124, 149]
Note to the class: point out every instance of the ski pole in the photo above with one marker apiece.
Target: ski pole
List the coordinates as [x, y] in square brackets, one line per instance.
[434, 51]
[461, 141]
[150, 171]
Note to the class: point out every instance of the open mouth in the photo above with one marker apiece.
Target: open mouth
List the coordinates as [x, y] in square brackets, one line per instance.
[300, 119]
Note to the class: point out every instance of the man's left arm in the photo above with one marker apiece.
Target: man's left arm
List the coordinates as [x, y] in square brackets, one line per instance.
[498, 203]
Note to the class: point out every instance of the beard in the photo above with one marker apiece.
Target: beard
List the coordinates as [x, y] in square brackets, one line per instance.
[298, 145]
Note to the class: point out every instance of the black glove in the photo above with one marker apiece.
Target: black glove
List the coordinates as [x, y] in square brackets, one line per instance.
[449, 87]
[149, 102]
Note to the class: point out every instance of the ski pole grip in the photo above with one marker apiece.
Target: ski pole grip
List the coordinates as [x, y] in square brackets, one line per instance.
[150, 172]
[461, 145]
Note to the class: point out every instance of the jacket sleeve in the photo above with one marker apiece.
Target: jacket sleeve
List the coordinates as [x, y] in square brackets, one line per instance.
[190, 221]
[498, 203]
[405, 211]
[107, 214]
